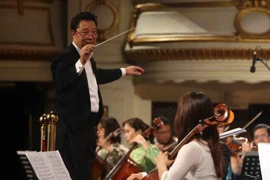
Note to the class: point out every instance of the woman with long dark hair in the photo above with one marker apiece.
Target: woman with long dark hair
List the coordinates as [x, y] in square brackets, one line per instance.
[200, 158]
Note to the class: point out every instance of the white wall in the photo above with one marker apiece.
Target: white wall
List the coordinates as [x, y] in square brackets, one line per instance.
[122, 101]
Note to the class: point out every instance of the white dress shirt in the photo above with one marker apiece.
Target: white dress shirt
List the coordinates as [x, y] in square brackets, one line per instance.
[91, 80]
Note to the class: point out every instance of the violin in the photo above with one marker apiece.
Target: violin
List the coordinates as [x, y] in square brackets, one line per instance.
[235, 143]
[100, 165]
[222, 115]
[126, 166]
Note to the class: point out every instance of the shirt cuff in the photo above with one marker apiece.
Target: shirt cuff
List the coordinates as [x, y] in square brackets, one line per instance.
[79, 67]
[123, 71]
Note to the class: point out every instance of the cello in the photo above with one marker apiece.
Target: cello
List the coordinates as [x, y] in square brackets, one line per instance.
[100, 164]
[222, 115]
[126, 166]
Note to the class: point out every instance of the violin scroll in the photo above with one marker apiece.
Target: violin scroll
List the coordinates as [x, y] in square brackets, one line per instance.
[222, 116]
[157, 123]
[115, 133]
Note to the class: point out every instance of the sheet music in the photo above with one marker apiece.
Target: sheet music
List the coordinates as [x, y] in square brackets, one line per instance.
[48, 165]
[264, 156]
[57, 164]
[41, 166]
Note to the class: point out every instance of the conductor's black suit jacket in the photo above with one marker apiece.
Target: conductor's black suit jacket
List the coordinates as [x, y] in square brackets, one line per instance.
[72, 94]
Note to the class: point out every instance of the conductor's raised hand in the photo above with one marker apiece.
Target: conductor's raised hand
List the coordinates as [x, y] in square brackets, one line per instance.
[134, 70]
[86, 52]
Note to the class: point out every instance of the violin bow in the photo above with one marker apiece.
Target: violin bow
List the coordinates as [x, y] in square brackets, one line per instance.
[251, 121]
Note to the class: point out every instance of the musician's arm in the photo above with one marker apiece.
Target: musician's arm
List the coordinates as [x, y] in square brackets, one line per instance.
[237, 160]
[152, 152]
[188, 156]
[235, 164]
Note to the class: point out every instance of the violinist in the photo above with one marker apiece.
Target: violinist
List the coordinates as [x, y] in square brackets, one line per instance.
[201, 158]
[261, 134]
[164, 136]
[109, 146]
[146, 151]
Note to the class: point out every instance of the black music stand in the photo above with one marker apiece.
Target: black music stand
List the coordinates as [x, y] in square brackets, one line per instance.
[28, 169]
[251, 167]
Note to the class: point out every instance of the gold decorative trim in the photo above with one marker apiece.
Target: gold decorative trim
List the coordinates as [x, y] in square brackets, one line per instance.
[147, 55]
[26, 55]
[241, 14]
[154, 6]
[20, 4]
[243, 4]
[240, 4]
[114, 24]
[240, 35]
[48, 22]
[37, 1]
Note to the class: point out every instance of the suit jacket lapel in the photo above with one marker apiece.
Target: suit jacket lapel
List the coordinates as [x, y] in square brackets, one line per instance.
[74, 52]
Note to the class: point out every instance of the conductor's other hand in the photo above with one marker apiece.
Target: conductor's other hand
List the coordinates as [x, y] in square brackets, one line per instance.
[134, 70]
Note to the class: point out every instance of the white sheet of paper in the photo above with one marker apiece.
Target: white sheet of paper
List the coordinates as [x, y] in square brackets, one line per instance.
[264, 157]
[48, 165]
[41, 166]
[57, 164]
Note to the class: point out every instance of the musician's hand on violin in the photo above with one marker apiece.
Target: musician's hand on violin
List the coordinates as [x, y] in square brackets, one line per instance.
[134, 176]
[247, 147]
[163, 160]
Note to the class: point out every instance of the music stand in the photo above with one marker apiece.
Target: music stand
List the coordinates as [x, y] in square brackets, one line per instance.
[28, 169]
[251, 166]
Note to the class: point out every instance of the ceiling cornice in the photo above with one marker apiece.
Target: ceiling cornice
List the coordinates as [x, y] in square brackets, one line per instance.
[166, 54]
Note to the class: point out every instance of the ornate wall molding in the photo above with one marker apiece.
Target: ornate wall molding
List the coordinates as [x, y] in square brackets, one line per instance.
[239, 34]
[203, 71]
[26, 55]
[152, 55]
[37, 35]
[243, 4]
[115, 22]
